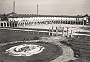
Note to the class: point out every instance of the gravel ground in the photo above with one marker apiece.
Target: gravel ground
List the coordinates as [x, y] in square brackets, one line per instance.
[67, 54]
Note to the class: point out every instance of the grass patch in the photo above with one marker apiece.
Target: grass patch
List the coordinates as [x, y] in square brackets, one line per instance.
[80, 46]
[16, 35]
[50, 52]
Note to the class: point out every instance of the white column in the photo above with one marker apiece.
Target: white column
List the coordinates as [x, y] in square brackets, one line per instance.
[43, 33]
[49, 31]
[0, 24]
[70, 21]
[63, 31]
[71, 33]
[24, 24]
[6, 24]
[38, 32]
[52, 30]
[28, 30]
[60, 27]
[9, 24]
[83, 21]
[75, 21]
[14, 24]
[17, 25]
[33, 32]
[67, 32]
[56, 31]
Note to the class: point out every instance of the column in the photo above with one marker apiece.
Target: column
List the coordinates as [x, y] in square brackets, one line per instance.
[17, 24]
[6, 24]
[83, 21]
[43, 33]
[49, 31]
[56, 31]
[80, 22]
[52, 30]
[75, 22]
[71, 33]
[67, 32]
[3, 24]
[0, 24]
[11, 24]
[63, 31]
[38, 32]
[33, 32]
[60, 27]
[70, 21]
[14, 24]
[24, 24]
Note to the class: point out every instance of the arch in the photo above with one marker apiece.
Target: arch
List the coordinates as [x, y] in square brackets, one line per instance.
[5, 24]
[15, 24]
[61, 22]
[29, 22]
[58, 21]
[54, 22]
[71, 22]
[22, 23]
[1, 24]
[25, 23]
[66, 22]
[10, 24]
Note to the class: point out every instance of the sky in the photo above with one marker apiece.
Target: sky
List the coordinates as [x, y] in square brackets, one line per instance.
[46, 7]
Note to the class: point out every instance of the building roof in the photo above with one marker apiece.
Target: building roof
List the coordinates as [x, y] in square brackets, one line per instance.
[15, 15]
[34, 15]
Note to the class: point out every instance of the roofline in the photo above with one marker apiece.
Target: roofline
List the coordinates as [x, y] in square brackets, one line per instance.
[23, 15]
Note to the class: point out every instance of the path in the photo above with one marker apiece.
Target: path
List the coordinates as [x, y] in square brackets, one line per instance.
[67, 54]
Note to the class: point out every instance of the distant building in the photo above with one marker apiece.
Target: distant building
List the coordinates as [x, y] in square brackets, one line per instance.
[17, 20]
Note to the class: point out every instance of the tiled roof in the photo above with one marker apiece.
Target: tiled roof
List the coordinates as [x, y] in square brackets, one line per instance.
[15, 15]
[33, 15]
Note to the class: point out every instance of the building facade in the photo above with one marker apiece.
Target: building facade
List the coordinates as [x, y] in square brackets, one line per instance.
[17, 20]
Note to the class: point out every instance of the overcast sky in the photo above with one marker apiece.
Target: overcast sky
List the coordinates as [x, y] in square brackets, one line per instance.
[57, 7]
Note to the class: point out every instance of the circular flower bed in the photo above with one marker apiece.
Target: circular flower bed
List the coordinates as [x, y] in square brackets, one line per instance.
[29, 52]
[25, 50]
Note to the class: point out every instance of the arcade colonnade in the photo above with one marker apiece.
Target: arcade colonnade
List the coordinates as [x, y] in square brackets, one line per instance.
[49, 20]
[8, 24]
[27, 21]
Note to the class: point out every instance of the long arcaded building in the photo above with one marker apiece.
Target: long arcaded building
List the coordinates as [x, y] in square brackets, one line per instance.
[17, 20]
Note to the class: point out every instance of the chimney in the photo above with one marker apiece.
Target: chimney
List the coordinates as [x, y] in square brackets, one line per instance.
[14, 6]
[37, 9]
